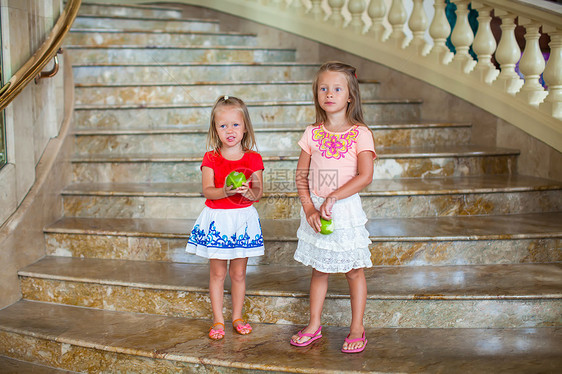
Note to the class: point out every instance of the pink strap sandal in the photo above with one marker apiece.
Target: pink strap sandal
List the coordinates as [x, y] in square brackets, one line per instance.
[242, 326]
[356, 350]
[216, 334]
[313, 337]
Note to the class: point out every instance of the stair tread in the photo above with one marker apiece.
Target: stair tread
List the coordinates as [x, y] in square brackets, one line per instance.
[267, 348]
[166, 19]
[210, 83]
[380, 187]
[190, 47]
[194, 63]
[494, 227]
[389, 153]
[12, 366]
[134, 6]
[145, 31]
[452, 282]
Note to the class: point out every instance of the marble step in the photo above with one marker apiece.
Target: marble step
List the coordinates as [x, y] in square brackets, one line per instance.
[451, 240]
[13, 366]
[86, 339]
[266, 112]
[395, 162]
[148, 23]
[483, 296]
[490, 195]
[143, 37]
[181, 92]
[122, 10]
[164, 54]
[192, 72]
[268, 137]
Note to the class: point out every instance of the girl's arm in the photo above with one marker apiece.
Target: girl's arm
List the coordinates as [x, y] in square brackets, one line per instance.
[256, 192]
[356, 184]
[301, 180]
[209, 190]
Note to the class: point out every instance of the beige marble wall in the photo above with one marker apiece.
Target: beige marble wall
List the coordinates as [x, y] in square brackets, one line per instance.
[30, 182]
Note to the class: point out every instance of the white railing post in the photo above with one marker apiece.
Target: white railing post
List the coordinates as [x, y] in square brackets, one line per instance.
[397, 18]
[377, 11]
[484, 45]
[336, 17]
[507, 54]
[316, 10]
[356, 9]
[462, 38]
[531, 64]
[439, 30]
[297, 7]
[418, 25]
[552, 75]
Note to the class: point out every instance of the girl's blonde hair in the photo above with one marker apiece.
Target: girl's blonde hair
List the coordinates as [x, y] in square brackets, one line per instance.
[213, 139]
[354, 112]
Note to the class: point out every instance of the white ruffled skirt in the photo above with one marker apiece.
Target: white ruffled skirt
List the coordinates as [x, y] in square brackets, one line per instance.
[346, 248]
[226, 234]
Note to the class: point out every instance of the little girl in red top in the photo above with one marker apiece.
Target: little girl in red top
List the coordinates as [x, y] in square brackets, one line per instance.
[228, 228]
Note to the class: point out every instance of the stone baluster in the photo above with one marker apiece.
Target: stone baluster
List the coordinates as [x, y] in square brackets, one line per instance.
[553, 74]
[336, 17]
[316, 10]
[356, 9]
[377, 11]
[507, 54]
[397, 18]
[418, 25]
[439, 30]
[531, 64]
[297, 7]
[484, 45]
[462, 38]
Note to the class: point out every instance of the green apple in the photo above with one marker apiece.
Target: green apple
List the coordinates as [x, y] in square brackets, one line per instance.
[327, 226]
[235, 179]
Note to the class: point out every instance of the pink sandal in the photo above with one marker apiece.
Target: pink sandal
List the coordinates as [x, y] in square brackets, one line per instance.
[313, 337]
[242, 326]
[356, 350]
[218, 333]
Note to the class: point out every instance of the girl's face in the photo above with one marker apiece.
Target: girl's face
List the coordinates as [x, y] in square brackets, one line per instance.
[229, 123]
[333, 92]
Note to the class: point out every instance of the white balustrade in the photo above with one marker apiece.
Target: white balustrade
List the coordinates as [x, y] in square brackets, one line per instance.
[316, 10]
[552, 75]
[439, 30]
[377, 12]
[508, 54]
[484, 45]
[356, 9]
[297, 7]
[397, 17]
[462, 38]
[418, 25]
[336, 19]
[531, 64]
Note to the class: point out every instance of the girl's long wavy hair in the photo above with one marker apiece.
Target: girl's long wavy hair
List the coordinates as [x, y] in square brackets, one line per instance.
[354, 112]
[213, 139]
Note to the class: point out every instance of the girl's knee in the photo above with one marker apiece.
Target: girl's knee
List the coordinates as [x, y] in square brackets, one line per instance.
[237, 275]
[355, 274]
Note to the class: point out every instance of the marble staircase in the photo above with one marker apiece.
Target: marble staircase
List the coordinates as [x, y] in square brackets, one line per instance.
[468, 274]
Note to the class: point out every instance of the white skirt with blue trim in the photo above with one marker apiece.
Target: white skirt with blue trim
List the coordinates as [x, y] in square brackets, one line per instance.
[226, 234]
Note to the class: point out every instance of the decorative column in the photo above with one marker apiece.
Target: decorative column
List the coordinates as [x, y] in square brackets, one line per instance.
[553, 74]
[297, 7]
[316, 10]
[462, 38]
[397, 18]
[336, 17]
[418, 25]
[507, 54]
[356, 9]
[439, 31]
[377, 11]
[531, 64]
[484, 45]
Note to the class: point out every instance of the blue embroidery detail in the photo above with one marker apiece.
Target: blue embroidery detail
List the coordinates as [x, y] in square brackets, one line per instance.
[215, 240]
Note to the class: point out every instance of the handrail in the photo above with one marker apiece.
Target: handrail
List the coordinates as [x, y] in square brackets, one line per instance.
[44, 54]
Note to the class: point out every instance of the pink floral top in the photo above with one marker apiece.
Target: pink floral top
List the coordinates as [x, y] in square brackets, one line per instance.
[334, 156]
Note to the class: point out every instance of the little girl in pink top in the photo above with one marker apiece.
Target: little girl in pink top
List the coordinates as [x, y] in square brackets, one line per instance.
[336, 162]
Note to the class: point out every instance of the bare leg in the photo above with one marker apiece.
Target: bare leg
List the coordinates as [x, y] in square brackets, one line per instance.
[216, 288]
[237, 273]
[358, 292]
[318, 289]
